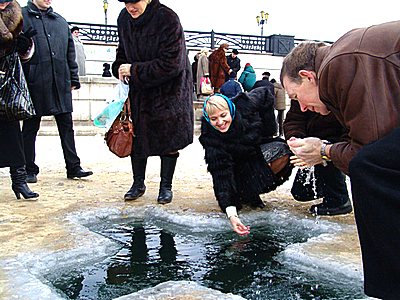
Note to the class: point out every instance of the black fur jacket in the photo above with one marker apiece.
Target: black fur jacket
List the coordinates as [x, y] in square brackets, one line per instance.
[10, 27]
[234, 159]
[160, 88]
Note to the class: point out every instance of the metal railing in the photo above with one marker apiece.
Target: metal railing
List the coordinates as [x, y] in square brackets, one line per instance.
[278, 45]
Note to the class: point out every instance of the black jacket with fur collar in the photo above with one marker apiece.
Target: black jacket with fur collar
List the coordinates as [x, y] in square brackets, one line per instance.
[234, 158]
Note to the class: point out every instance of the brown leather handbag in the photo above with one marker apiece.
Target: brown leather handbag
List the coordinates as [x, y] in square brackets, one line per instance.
[119, 138]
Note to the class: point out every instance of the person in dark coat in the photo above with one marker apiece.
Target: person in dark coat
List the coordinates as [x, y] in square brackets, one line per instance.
[265, 82]
[194, 71]
[330, 182]
[51, 74]
[233, 62]
[219, 68]
[11, 146]
[151, 56]
[232, 87]
[241, 154]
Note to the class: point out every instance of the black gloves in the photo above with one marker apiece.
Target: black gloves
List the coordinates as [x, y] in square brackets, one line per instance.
[75, 84]
[24, 41]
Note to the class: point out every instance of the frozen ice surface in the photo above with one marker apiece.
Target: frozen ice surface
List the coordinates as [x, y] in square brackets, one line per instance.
[25, 273]
[185, 289]
[296, 255]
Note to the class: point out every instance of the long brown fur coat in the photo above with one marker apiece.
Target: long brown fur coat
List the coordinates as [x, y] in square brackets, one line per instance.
[218, 68]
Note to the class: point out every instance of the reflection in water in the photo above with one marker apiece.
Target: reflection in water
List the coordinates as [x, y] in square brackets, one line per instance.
[135, 264]
[244, 266]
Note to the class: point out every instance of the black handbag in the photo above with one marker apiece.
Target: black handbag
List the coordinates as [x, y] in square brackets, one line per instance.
[15, 101]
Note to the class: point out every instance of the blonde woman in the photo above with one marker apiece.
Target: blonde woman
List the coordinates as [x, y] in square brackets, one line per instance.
[202, 68]
[241, 154]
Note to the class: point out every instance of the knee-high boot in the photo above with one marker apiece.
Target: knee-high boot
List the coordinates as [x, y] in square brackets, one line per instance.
[139, 173]
[168, 163]
[19, 185]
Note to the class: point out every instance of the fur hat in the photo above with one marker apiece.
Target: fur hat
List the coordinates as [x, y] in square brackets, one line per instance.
[234, 51]
[127, 1]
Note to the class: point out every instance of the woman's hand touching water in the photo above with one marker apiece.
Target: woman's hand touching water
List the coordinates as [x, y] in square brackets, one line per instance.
[238, 227]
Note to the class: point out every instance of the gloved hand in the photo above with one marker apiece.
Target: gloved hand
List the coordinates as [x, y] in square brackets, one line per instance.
[24, 41]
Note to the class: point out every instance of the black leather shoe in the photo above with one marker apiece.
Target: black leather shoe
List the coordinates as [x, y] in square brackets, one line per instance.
[323, 210]
[79, 173]
[31, 178]
[136, 191]
[164, 196]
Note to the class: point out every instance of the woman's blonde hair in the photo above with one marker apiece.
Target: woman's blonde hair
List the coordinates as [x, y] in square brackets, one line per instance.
[204, 51]
[216, 103]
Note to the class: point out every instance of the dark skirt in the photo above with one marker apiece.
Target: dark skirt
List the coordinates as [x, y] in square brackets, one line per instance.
[11, 145]
[274, 149]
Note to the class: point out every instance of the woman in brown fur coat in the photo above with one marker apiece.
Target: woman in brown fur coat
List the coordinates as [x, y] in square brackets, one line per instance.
[218, 67]
[11, 146]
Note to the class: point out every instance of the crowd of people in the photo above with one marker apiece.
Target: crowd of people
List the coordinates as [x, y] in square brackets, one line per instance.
[343, 118]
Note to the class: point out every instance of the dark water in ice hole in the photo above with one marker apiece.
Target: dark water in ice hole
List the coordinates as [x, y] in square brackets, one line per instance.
[246, 266]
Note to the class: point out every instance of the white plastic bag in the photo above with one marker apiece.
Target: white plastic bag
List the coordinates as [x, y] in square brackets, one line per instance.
[205, 86]
[121, 92]
[112, 110]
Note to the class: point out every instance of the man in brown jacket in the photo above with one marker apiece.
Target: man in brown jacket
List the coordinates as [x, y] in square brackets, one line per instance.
[358, 79]
[325, 181]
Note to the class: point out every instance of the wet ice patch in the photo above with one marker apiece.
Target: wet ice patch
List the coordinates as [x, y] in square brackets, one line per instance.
[185, 290]
[35, 271]
[298, 256]
[24, 285]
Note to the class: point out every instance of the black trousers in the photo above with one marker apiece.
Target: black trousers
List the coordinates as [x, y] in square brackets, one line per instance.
[279, 120]
[375, 184]
[329, 183]
[65, 129]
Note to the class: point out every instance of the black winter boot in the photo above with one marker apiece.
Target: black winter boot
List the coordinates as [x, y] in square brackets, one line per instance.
[139, 172]
[332, 207]
[168, 163]
[19, 186]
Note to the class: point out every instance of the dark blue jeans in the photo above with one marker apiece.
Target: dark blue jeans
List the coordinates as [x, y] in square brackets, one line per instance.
[329, 183]
[375, 184]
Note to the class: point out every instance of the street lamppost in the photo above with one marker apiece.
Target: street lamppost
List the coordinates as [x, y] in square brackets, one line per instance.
[261, 20]
[105, 7]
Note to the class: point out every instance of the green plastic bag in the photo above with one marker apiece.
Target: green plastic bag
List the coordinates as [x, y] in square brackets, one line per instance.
[108, 115]
[112, 110]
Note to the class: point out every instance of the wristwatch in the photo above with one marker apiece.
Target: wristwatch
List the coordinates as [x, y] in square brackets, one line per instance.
[324, 156]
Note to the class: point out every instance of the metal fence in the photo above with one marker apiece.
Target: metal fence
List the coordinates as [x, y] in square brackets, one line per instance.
[276, 44]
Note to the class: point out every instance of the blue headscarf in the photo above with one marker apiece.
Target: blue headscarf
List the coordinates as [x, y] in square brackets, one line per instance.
[231, 105]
